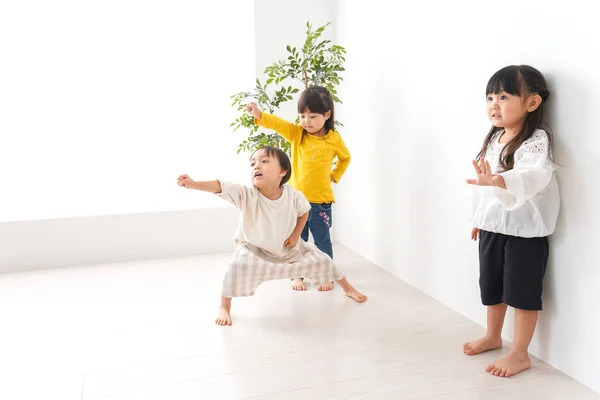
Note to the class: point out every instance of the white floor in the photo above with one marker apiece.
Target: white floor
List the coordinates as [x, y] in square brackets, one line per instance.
[146, 331]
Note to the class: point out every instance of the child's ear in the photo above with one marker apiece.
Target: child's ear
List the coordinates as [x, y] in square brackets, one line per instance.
[328, 114]
[282, 173]
[533, 102]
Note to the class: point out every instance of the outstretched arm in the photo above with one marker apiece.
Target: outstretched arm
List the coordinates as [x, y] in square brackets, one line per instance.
[285, 129]
[205, 186]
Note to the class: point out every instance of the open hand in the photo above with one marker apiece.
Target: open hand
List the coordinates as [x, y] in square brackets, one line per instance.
[185, 181]
[291, 242]
[485, 176]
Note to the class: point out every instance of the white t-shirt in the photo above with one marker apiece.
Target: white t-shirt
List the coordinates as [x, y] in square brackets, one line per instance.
[529, 205]
[266, 224]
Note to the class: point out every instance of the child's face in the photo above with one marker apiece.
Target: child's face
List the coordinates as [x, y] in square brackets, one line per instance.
[506, 110]
[265, 171]
[313, 122]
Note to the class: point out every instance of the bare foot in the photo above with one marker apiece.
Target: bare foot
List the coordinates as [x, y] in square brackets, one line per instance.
[510, 365]
[326, 287]
[356, 295]
[298, 284]
[481, 345]
[224, 317]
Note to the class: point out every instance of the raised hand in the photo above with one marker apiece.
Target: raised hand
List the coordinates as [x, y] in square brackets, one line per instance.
[485, 177]
[252, 109]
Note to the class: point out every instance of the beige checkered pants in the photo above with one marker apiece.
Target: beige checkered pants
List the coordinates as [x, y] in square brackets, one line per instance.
[247, 270]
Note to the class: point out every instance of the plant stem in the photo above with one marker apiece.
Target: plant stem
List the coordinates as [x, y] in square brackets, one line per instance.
[305, 78]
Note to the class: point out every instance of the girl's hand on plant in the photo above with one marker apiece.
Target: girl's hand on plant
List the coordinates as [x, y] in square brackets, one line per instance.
[252, 109]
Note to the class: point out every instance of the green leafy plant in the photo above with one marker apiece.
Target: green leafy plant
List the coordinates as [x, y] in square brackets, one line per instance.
[317, 62]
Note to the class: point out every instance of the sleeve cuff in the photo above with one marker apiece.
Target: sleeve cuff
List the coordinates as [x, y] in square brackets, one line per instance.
[263, 118]
[224, 186]
[514, 194]
[304, 209]
[514, 183]
[507, 200]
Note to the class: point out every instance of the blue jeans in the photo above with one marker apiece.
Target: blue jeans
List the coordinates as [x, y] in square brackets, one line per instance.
[319, 222]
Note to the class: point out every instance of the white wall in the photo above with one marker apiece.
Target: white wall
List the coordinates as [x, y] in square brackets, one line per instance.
[102, 106]
[414, 116]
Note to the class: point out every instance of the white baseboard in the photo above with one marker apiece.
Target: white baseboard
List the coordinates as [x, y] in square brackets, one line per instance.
[69, 242]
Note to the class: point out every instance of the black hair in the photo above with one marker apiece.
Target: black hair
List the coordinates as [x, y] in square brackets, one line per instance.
[284, 161]
[522, 81]
[318, 100]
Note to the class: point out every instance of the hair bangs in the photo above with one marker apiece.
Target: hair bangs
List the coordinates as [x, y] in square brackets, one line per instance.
[507, 79]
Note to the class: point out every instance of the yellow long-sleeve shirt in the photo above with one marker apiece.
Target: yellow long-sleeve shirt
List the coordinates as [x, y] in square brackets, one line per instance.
[312, 158]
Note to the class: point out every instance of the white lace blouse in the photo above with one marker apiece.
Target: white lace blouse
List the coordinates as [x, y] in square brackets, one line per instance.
[529, 205]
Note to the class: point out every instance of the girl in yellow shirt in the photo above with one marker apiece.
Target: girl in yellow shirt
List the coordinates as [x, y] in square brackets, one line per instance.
[315, 145]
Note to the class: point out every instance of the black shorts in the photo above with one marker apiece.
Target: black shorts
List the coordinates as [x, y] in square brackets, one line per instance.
[512, 270]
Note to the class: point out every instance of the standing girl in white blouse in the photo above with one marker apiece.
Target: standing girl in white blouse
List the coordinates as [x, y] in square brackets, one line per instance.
[515, 209]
